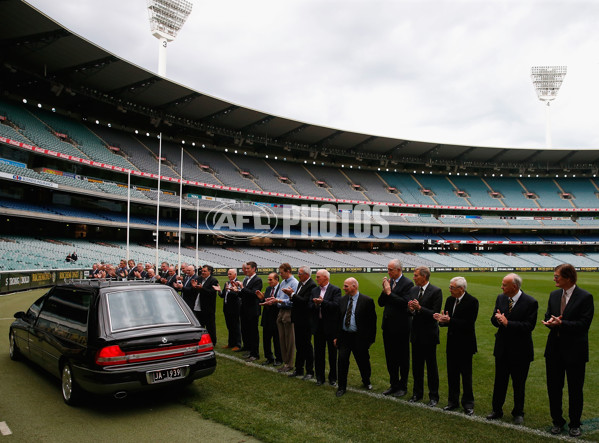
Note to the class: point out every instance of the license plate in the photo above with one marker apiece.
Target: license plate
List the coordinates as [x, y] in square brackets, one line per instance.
[166, 375]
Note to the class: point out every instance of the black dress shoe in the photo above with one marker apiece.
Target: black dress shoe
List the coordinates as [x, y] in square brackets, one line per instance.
[267, 362]
[468, 411]
[340, 392]
[414, 399]
[308, 377]
[400, 393]
[450, 408]
[319, 382]
[575, 432]
[494, 415]
[518, 419]
[390, 391]
[555, 430]
[432, 403]
[277, 363]
[296, 374]
[333, 382]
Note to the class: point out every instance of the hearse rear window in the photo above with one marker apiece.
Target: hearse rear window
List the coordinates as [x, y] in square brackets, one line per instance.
[144, 308]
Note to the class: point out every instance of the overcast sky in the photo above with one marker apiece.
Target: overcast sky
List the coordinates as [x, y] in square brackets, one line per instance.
[440, 71]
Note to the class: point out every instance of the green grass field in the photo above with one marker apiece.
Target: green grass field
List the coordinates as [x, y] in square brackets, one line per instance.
[272, 407]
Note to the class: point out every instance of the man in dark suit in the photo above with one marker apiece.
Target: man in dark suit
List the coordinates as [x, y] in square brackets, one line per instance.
[300, 316]
[205, 305]
[569, 315]
[356, 332]
[461, 310]
[231, 305]
[171, 278]
[426, 300]
[515, 316]
[250, 310]
[270, 312]
[396, 327]
[188, 292]
[325, 313]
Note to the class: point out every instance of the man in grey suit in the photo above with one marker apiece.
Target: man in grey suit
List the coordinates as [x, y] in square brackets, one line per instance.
[514, 316]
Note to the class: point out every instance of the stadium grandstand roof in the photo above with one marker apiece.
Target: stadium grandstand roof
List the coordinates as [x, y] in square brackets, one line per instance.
[44, 61]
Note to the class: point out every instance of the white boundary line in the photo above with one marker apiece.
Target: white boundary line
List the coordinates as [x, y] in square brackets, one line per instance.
[479, 419]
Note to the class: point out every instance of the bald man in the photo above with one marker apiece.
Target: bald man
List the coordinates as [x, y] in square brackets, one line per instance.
[515, 317]
[356, 332]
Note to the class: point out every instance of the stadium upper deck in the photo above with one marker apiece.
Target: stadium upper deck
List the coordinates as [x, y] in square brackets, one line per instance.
[47, 63]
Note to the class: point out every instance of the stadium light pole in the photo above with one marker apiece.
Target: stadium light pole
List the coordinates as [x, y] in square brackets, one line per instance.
[158, 197]
[180, 205]
[547, 80]
[167, 17]
[128, 211]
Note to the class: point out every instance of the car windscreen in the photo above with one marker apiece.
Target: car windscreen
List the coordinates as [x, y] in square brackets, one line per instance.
[147, 307]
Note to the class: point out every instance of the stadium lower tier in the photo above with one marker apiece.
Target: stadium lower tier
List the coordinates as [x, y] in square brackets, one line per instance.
[28, 253]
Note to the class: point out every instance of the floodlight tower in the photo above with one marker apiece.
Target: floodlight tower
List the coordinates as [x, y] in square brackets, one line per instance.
[547, 80]
[167, 17]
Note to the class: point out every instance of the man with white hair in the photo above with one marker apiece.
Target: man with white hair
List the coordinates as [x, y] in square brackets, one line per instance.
[396, 327]
[461, 310]
[325, 308]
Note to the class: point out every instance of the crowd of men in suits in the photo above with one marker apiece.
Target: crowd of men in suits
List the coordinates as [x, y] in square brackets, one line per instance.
[306, 322]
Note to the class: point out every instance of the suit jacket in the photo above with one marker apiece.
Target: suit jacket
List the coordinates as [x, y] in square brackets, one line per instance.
[425, 329]
[269, 313]
[461, 335]
[570, 340]
[231, 298]
[365, 319]
[250, 304]
[514, 341]
[171, 280]
[300, 311]
[395, 314]
[207, 295]
[188, 292]
[328, 309]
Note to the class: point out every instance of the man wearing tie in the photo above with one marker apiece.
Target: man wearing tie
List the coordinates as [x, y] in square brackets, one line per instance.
[300, 316]
[426, 301]
[396, 327]
[461, 310]
[188, 292]
[231, 304]
[514, 316]
[270, 312]
[250, 310]
[569, 315]
[205, 304]
[325, 313]
[356, 332]
[284, 324]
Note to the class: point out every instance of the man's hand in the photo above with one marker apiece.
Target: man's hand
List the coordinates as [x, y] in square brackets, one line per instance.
[553, 321]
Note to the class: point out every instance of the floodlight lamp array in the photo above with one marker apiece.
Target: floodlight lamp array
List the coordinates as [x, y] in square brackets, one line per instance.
[167, 17]
[547, 80]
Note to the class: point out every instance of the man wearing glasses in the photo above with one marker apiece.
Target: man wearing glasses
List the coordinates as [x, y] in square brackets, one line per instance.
[569, 315]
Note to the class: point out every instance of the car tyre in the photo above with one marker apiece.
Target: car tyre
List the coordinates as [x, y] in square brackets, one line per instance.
[71, 392]
[13, 349]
